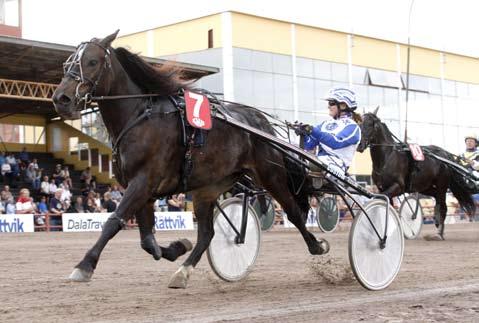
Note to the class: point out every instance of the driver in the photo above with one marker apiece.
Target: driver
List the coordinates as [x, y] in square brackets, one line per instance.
[338, 137]
[471, 155]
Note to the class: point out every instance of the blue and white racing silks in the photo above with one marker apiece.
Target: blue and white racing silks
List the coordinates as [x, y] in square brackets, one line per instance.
[337, 138]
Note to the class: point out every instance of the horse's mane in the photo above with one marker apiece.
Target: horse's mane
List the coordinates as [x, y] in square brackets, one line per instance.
[164, 80]
[384, 127]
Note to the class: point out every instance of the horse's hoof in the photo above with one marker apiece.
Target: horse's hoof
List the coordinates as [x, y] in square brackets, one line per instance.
[80, 275]
[324, 247]
[433, 237]
[179, 278]
[320, 248]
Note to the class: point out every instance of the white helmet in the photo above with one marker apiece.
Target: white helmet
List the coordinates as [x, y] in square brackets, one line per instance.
[343, 95]
[471, 136]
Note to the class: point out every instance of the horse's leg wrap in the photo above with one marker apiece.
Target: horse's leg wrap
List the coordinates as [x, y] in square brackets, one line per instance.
[176, 249]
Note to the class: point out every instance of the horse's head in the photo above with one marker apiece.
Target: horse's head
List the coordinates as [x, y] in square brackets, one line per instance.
[369, 128]
[85, 75]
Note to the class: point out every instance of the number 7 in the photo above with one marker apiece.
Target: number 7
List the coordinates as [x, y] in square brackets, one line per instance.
[199, 100]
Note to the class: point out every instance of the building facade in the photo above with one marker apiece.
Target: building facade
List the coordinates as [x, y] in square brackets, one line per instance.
[285, 69]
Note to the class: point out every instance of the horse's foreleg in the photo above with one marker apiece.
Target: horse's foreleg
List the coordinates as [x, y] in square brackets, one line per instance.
[204, 217]
[135, 197]
[146, 221]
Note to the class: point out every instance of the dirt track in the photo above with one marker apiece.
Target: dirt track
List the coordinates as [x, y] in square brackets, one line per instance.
[438, 281]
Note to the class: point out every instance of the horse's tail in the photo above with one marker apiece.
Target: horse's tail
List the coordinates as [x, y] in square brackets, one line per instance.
[458, 184]
[460, 188]
[297, 183]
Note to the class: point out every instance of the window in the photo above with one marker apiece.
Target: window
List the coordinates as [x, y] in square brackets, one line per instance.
[210, 38]
[384, 78]
[340, 72]
[434, 85]
[416, 82]
[449, 88]
[462, 89]
[322, 70]
[22, 134]
[9, 13]
[359, 75]
[10, 132]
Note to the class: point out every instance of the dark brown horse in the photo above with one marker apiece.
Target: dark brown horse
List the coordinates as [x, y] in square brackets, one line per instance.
[395, 172]
[150, 155]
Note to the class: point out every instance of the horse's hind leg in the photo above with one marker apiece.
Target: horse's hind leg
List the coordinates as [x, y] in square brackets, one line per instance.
[146, 222]
[204, 206]
[295, 216]
[135, 197]
[272, 182]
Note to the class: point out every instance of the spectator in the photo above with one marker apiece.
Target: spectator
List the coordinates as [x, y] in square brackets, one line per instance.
[15, 169]
[42, 205]
[56, 208]
[87, 178]
[66, 194]
[24, 157]
[97, 198]
[34, 164]
[116, 195]
[161, 205]
[45, 187]
[6, 194]
[7, 173]
[176, 202]
[65, 173]
[25, 203]
[52, 187]
[57, 175]
[278, 213]
[313, 206]
[108, 205]
[78, 205]
[90, 206]
[33, 175]
[10, 206]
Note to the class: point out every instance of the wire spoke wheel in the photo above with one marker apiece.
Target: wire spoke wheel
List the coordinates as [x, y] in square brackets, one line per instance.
[232, 261]
[411, 215]
[376, 267]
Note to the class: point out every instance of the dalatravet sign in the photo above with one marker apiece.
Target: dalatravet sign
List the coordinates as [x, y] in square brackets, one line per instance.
[16, 223]
[81, 222]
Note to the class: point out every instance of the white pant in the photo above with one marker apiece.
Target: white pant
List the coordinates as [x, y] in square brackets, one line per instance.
[327, 159]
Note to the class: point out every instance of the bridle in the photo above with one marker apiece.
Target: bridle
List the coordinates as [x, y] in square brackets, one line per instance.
[75, 61]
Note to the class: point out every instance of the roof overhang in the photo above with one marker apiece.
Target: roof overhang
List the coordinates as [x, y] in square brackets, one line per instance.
[34, 61]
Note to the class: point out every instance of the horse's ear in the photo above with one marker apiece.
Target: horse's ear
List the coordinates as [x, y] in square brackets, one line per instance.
[375, 112]
[106, 42]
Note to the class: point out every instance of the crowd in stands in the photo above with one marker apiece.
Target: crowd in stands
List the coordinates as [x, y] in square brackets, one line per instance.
[48, 191]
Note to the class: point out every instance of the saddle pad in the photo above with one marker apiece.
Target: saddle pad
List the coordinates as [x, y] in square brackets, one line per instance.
[416, 152]
[198, 110]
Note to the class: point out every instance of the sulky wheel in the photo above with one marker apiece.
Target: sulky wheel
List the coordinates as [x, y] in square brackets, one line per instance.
[232, 261]
[411, 215]
[327, 214]
[376, 266]
[265, 212]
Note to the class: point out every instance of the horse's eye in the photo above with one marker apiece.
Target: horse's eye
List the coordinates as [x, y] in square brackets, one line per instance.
[92, 62]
